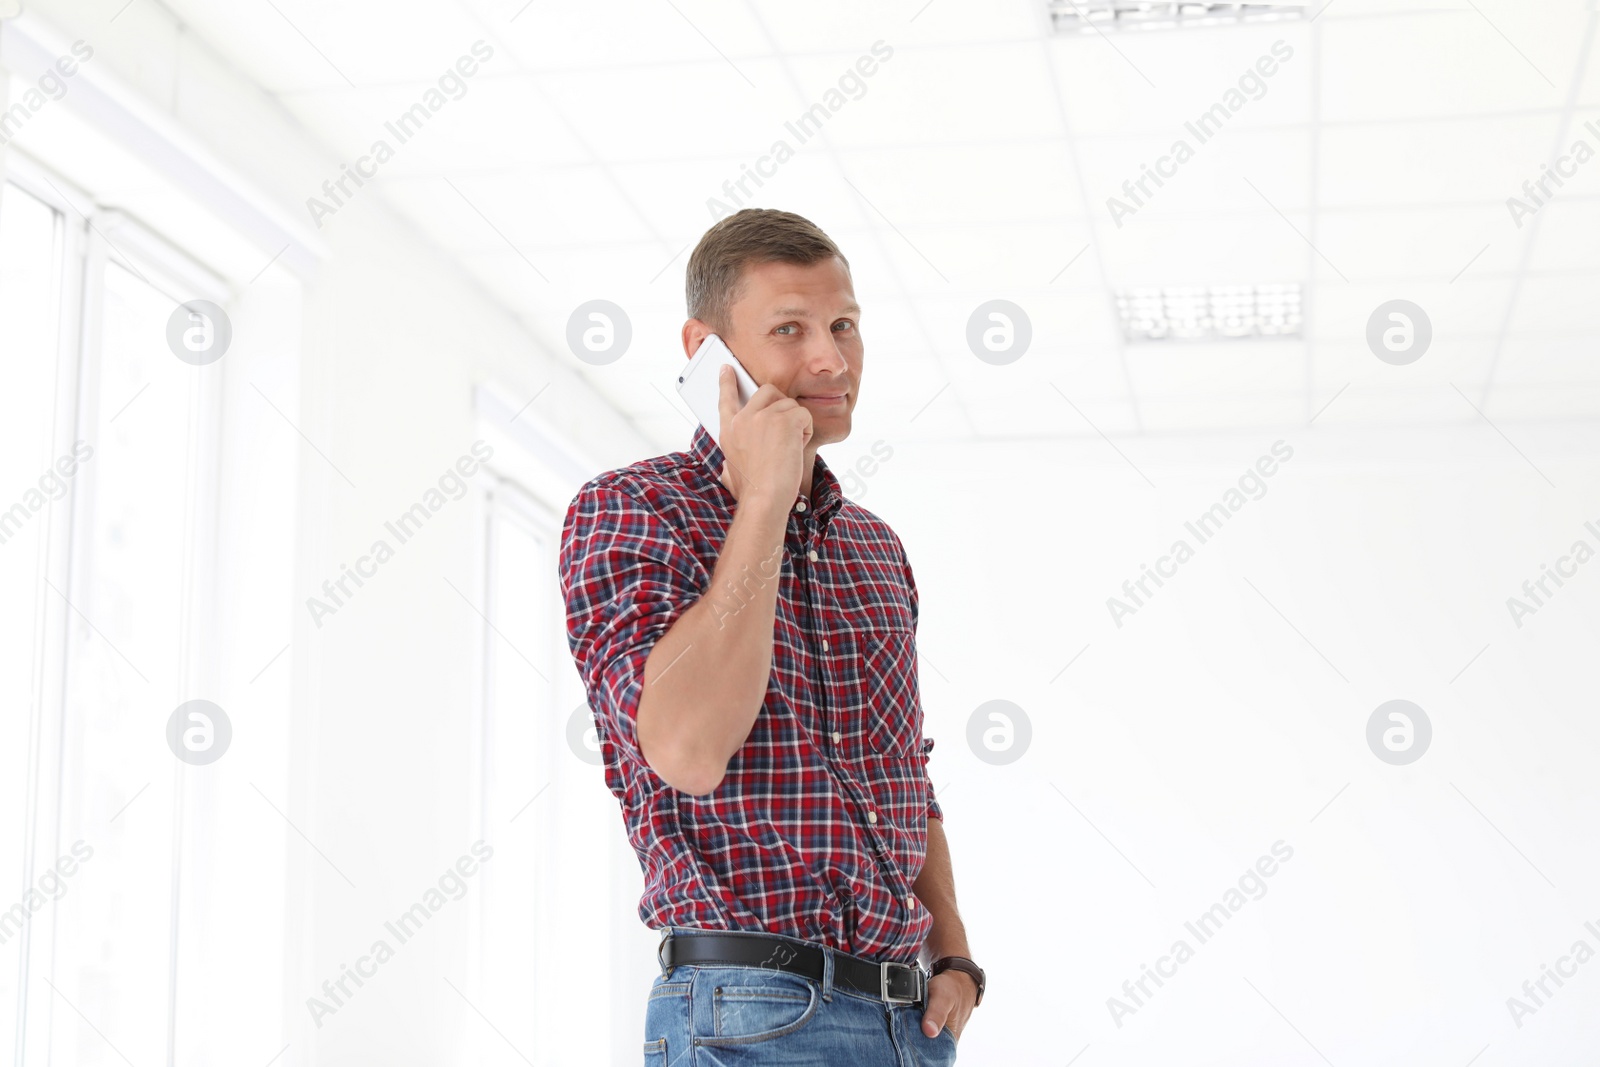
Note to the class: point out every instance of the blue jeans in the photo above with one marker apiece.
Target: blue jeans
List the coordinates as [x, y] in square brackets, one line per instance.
[701, 1015]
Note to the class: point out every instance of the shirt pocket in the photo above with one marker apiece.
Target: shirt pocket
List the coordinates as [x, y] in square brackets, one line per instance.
[875, 710]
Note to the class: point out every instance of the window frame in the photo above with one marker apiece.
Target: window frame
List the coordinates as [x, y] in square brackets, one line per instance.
[88, 240]
[519, 484]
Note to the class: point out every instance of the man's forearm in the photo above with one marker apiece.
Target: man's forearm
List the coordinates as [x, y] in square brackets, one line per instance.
[936, 889]
[706, 676]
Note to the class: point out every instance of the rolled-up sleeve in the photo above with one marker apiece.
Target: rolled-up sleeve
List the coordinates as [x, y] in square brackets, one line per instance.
[626, 577]
[934, 810]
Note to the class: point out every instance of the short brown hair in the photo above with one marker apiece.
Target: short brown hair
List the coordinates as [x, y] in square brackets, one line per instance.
[751, 235]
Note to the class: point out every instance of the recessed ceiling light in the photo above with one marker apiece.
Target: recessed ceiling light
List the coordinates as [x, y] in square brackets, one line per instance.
[1089, 16]
[1210, 312]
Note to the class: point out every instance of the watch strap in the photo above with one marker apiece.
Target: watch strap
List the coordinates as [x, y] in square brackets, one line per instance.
[961, 963]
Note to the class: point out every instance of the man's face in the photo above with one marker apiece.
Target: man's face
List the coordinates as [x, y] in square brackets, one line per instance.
[798, 328]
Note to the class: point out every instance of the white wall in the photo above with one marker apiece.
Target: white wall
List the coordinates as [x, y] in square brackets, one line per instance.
[1205, 729]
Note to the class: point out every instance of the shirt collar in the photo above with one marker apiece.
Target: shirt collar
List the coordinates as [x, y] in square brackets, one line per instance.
[826, 495]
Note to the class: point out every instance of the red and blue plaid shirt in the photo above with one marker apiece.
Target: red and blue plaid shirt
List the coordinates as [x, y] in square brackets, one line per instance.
[819, 828]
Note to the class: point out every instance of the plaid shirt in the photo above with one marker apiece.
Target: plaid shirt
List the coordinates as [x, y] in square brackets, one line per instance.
[820, 826]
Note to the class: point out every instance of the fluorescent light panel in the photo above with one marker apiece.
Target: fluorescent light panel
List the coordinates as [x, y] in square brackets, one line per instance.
[1210, 312]
[1091, 16]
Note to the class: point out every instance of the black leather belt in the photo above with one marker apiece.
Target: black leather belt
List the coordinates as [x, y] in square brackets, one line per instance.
[889, 981]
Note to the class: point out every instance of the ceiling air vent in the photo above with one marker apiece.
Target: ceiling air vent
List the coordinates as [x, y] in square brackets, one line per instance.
[1210, 312]
[1090, 16]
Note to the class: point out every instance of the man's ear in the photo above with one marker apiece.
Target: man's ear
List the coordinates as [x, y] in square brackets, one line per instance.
[694, 331]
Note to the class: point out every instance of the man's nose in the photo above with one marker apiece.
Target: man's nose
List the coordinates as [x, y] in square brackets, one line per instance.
[828, 359]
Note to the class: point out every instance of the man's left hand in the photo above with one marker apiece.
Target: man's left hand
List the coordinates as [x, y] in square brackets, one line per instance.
[951, 997]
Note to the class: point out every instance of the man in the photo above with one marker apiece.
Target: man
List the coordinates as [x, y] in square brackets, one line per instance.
[747, 640]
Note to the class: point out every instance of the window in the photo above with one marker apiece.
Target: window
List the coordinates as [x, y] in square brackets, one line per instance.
[120, 886]
[33, 501]
[519, 801]
[563, 882]
[129, 656]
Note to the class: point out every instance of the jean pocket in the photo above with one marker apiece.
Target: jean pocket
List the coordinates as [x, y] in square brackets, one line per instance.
[667, 1014]
[749, 1006]
[936, 1051]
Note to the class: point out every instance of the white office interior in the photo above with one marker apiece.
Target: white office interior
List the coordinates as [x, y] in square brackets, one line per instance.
[1229, 376]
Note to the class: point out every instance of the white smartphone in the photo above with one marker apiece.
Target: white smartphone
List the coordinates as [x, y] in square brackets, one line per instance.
[702, 391]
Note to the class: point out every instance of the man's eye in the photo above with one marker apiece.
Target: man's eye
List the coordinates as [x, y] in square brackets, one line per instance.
[845, 323]
[785, 326]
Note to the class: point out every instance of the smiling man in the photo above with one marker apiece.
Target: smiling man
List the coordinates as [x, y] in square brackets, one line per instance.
[747, 640]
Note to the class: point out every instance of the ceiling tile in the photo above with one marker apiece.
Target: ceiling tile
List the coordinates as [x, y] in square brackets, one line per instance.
[1005, 259]
[1416, 65]
[1081, 372]
[1575, 161]
[936, 96]
[1513, 404]
[1462, 361]
[643, 114]
[1403, 243]
[1016, 182]
[1237, 171]
[1204, 369]
[1568, 237]
[1422, 405]
[1246, 249]
[1183, 413]
[1060, 322]
[464, 135]
[296, 45]
[1370, 10]
[682, 198]
[627, 37]
[549, 214]
[1046, 420]
[1545, 359]
[1044, 416]
[1485, 160]
[820, 26]
[1470, 307]
[1103, 86]
[1559, 304]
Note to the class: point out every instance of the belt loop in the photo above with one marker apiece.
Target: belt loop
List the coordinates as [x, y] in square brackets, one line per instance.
[666, 935]
[827, 974]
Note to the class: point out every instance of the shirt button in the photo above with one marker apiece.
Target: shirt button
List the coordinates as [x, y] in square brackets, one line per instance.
[837, 737]
[812, 555]
[824, 644]
[800, 505]
[872, 816]
[911, 902]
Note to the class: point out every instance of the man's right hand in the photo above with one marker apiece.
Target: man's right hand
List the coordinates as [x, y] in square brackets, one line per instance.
[763, 442]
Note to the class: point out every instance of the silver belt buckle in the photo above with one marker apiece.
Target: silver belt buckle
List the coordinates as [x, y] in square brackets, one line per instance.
[919, 985]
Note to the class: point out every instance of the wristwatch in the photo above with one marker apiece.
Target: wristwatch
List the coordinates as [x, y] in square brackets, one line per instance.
[961, 963]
